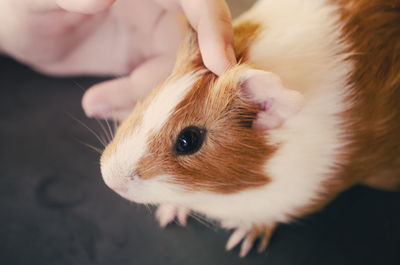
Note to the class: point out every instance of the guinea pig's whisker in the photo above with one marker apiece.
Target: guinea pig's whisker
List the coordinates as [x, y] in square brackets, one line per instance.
[106, 132]
[198, 219]
[111, 128]
[110, 131]
[100, 139]
[115, 125]
[80, 86]
[146, 207]
[202, 220]
[97, 150]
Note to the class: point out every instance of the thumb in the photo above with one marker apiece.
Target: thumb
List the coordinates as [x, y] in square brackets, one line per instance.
[116, 98]
[212, 21]
[109, 100]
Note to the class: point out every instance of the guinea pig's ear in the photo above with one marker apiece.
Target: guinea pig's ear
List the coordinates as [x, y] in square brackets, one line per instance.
[189, 56]
[276, 103]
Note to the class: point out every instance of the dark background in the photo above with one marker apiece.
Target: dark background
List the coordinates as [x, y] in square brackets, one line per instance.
[56, 210]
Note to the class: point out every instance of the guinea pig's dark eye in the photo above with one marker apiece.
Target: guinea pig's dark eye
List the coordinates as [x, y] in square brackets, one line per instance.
[189, 141]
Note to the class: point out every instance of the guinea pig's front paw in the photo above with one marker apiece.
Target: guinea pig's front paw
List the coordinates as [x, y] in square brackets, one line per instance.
[248, 237]
[166, 213]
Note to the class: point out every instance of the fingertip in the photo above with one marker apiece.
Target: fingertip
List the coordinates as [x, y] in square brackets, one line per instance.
[86, 103]
[212, 21]
[94, 106]
[218, 64]
[109, 100]
[217, 56]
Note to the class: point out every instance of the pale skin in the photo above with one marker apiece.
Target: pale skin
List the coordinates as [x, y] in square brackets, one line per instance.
[135, 40]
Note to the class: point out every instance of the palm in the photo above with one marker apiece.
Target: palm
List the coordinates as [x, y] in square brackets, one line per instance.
[111, 42]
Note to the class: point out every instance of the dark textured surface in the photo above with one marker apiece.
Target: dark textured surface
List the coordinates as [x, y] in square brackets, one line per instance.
[55, 208]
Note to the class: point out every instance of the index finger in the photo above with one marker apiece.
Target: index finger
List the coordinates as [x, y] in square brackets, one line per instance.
[213, 23]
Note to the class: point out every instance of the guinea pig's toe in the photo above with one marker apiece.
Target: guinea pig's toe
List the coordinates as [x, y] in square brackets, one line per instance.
[247, 245]
[248, 237]
[235, 238]
[166, 213]
[183, 214]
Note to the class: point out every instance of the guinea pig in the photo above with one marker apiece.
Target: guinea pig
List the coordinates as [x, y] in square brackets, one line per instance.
[310, 110]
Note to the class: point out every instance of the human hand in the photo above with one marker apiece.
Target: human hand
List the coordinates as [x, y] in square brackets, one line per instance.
[135, 37]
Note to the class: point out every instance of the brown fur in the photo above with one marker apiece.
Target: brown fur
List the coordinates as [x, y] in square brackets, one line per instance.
[372, 28]
[212, 104]
[244, 33]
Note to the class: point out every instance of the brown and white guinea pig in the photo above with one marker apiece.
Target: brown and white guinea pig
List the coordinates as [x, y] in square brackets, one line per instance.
[311, 109]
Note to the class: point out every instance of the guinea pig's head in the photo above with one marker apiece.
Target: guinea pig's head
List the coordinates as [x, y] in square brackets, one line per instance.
[198, 133]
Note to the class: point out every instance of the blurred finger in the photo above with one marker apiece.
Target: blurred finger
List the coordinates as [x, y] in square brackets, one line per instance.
[212, 21]
[116, 98]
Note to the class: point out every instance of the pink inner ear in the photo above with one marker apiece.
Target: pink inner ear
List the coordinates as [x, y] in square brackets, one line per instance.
[262, 106]
[267, 121]
[267, 118]
[276, 103]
